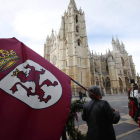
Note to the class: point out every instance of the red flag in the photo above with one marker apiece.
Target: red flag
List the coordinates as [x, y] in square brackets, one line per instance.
[35, 96]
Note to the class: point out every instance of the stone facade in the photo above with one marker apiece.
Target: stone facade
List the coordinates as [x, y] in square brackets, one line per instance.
[69, 51]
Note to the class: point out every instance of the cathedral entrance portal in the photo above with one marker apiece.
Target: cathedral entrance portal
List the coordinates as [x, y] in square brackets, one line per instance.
[108, 86]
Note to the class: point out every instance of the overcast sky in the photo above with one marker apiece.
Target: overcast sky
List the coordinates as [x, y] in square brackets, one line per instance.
[30, 21]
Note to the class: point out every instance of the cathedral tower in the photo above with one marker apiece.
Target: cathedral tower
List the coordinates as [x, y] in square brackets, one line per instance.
[69, 49]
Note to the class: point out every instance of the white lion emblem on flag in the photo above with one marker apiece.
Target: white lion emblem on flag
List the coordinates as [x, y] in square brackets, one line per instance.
[33, 85]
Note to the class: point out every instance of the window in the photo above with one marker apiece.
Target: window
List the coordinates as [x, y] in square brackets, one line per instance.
[77, 29]
[95, 69]
[122, 61]
[78, 42]
[107, 68]
[76, 18]
[125, 72]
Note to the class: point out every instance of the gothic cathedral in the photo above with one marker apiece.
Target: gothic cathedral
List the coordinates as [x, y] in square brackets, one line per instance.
[69, 51]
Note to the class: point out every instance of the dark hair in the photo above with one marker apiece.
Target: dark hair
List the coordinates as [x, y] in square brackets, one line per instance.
[135, 85]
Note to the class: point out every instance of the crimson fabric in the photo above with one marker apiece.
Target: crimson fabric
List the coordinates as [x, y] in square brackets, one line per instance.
[133, 110]
[40, 114]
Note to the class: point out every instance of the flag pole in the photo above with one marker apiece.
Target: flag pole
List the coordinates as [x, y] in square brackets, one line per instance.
[86, 90]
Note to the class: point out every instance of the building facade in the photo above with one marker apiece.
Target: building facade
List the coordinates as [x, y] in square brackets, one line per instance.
[69, 51]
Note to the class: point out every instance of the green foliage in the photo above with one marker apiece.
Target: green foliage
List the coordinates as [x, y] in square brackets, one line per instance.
[74, 133]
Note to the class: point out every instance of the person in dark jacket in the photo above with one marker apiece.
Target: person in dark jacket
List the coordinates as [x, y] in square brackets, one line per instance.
[80, 95]
[99, 117]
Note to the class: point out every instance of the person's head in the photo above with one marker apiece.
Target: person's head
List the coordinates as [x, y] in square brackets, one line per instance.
[135, 86]
[96, 90]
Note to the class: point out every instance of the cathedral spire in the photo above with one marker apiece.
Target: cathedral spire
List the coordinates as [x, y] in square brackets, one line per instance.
[62, 23]
[52, 35]
[122, 44]
[73, 4]
[113, 39]
[62, 29]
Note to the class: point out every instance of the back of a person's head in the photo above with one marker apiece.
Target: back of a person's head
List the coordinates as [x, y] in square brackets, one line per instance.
[135, 86]
[96, 90]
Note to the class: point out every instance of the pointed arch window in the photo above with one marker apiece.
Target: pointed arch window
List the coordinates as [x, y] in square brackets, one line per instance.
[123, 63]
[96, 70]
[78, 42]
[76, 18]
[107, 66]
[125, 72]
[77, 29]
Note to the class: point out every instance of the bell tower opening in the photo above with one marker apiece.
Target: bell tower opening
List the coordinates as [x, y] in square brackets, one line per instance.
[77, 29]
[76, 18]
[78, 42]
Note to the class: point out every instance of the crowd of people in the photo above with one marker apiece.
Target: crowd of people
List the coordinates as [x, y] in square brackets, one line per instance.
[134, 103]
